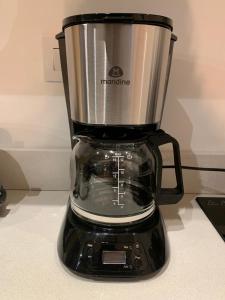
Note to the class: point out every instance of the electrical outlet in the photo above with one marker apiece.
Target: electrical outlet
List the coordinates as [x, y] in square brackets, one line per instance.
[51, 60]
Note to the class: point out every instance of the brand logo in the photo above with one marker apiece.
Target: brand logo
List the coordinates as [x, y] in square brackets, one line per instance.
[116, 72]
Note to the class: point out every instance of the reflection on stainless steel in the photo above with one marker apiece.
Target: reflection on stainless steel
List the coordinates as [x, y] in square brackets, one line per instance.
[117, 72]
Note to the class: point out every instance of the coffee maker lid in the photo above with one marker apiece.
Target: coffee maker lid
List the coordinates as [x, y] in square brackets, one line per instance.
[124, 18]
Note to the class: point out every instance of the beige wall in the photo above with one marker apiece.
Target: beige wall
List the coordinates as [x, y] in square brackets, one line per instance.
[32, 111]
[24, 23]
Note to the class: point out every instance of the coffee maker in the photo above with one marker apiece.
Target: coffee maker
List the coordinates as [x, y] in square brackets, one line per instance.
[115, 71]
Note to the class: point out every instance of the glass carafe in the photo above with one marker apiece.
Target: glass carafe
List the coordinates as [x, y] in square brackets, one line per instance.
[115, 178]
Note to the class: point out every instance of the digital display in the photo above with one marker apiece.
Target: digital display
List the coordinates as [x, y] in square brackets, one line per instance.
[114, 257]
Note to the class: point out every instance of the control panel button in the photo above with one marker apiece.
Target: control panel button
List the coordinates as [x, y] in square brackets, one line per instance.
[89, 252]
[125, 267]
[137, 261]
[137, 246]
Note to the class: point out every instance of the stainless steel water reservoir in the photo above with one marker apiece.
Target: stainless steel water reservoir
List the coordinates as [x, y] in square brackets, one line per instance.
[118, 67]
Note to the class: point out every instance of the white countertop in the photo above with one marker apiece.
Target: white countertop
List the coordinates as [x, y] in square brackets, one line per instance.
[30, 268]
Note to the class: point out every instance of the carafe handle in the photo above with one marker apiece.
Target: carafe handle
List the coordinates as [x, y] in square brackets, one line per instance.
[168, 195]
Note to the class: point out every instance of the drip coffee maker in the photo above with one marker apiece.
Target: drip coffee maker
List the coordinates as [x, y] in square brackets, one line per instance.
[115, 72]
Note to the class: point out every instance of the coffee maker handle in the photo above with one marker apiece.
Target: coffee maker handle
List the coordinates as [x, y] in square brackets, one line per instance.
[169, 195]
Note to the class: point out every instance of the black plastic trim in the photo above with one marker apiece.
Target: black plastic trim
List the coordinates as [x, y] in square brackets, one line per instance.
[60, 35]
[124, 18]
[117, 132]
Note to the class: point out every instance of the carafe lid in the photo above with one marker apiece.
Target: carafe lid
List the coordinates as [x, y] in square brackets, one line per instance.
[124, 18]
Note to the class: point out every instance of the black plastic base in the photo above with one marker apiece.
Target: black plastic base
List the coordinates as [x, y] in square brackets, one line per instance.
[113, 251]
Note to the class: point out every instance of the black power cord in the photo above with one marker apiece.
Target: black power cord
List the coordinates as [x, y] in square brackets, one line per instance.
[196, 168]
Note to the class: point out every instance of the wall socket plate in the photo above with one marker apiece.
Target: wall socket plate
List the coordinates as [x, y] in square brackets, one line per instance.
[51, 60]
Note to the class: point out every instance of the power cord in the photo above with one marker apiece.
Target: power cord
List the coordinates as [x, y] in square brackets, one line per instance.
[196, 168]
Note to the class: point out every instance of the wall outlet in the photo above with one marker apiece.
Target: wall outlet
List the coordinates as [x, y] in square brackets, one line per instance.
[51, 60]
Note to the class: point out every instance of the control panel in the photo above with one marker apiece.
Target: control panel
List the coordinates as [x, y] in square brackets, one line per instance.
[114, 256]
